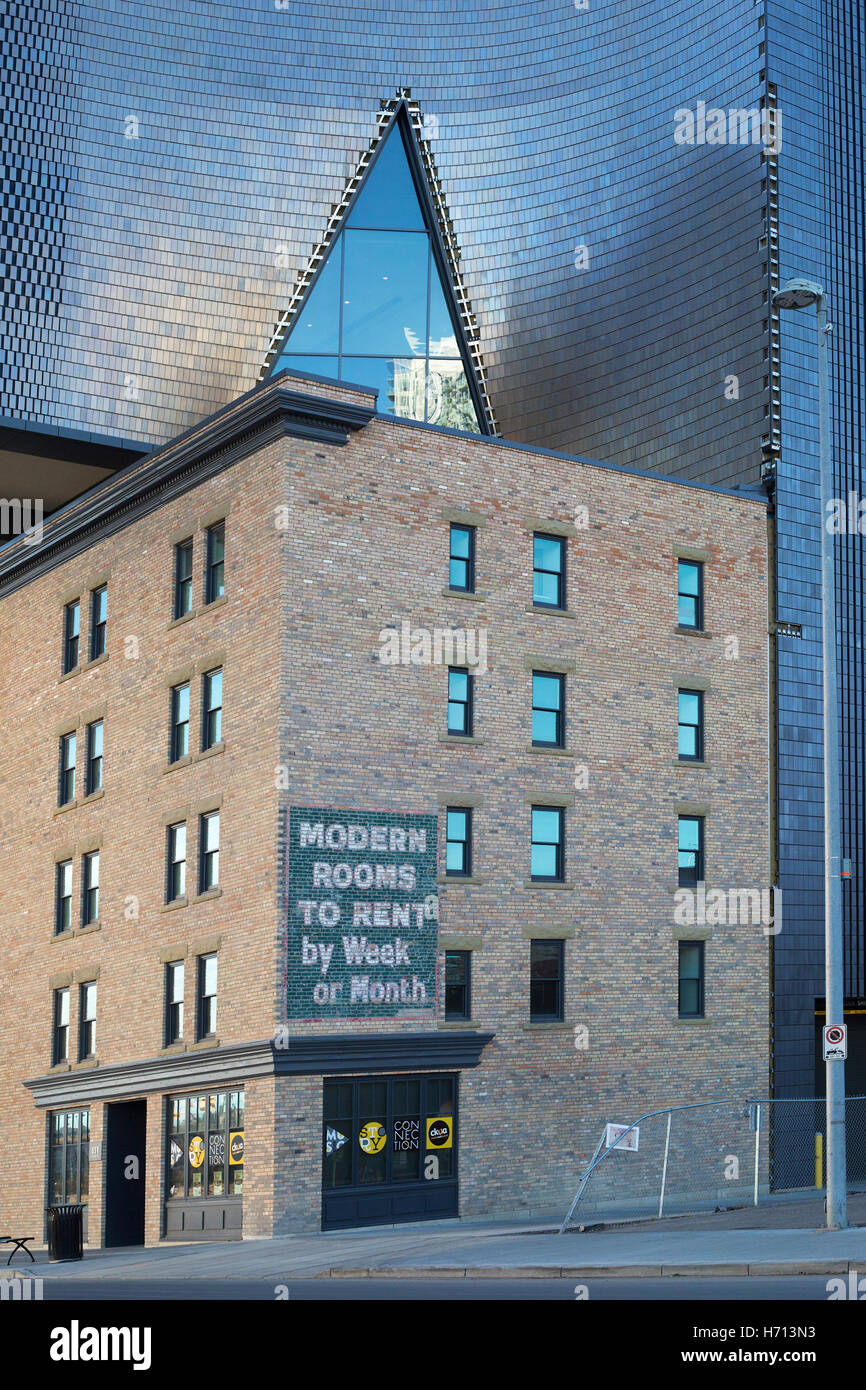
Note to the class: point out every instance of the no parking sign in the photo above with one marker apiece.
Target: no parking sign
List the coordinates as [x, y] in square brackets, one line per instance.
[835, 1042]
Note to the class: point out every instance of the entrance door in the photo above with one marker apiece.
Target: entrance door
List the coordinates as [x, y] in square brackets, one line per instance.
[125, 1140]
[389, 1150]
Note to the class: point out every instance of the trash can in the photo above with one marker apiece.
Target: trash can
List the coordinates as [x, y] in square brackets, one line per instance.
[66, 1232]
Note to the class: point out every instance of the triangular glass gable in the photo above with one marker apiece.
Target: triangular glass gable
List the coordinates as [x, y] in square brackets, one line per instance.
[378, 313]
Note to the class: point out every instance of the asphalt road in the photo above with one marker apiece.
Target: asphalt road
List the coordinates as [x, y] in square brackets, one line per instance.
[812, 1288]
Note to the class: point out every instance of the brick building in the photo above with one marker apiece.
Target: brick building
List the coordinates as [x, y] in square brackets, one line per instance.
[276, 698]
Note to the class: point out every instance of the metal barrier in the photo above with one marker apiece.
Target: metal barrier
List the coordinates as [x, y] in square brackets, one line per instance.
[712, 1154]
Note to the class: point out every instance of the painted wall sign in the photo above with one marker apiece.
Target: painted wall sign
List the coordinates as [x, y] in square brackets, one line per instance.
[407, 1135]
[372, 1137]
[440, 1132]
[236, 1147]
[363, 914]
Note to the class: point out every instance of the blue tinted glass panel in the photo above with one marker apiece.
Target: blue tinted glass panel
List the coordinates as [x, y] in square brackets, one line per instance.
[543, 863]
[317, 328]
[388, 197]
[318, 366]
[545, 826]
[543, 727]
[545, 692]
[385, 293]
[443, 339]
[449, 402]
[379, 372]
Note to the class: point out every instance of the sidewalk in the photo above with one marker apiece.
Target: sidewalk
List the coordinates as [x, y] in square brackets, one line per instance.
[747, 1242]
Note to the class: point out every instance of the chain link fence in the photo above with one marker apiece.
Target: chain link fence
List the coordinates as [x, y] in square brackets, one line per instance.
[698, 1157]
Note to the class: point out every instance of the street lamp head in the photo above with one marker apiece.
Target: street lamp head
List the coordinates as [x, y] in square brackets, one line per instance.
[798, 294]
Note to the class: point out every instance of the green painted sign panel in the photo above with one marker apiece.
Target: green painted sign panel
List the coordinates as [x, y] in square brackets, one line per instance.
[363, 914]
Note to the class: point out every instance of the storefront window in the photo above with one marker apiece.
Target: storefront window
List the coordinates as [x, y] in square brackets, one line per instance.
[384, 1131]
[206, 1145]
[69, 1156]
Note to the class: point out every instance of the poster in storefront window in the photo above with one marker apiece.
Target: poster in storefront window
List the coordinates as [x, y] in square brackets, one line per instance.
[363, 914]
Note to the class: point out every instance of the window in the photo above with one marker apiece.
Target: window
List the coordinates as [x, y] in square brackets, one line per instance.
[68, 1156]
[458, 979]
[460, 685]
[66, 792]
[548, 725]
[93, 781]
[60, 1041]
[691, 725]
[174, 975]
[209, 851]
[690, 1002]
[90, 888]
[179, 735]
[378, 312]
[458, 841]
[63, 896]
[205, 1145]
[547, 856]
[207, 997]
[98, 621]
[216, 562]
[212, 709]
[691, 850]
[183, 578]
[87, 1021]
[175, 886]
[545, 980]
[461, 566]
[71, 634]
[690, 594]
[548, 571]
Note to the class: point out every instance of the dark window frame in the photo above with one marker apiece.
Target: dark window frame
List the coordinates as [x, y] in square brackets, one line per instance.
[536, 1014]
[98, 626]
[208, 857]
[71, 640]
[205, 1010]
[67, 772]
[173, 861]
[698, 756]
[560, 573]
[699, 854]
[174, 1008]
[700, 1012]
[468, 561]
[468, 704]
[175, 724]
[57, 1155]
[209, 711]
[697, 599]
[60, 1030]
[466, 871]
[559, 875]
[464, 986]
[214, 573]
[87, 1025]
[63, 914]
[91, 782]
[90, 890]
[559, 741]
[183, 582]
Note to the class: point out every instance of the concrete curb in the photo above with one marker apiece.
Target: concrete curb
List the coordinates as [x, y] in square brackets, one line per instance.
[706, 1271]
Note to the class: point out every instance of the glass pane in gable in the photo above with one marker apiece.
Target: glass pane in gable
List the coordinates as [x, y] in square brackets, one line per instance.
[388, 197]
[449, 401]
[385, 293]
[317, 327]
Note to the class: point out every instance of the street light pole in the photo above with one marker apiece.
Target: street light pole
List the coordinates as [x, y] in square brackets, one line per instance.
[798, 294]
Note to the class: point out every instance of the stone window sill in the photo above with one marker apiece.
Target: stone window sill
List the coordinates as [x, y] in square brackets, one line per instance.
[477, 595]
[67, 806]
[209, 752]
[543, 883]
[86, 1064]
[690, 762]
[67, 675]
[90, 927]
[693, 1020]
[555, 1025]
[174, 905]
[692, 632]
[550, 612]
[63, 935]
[97, 660]
[184, 618]
[207, 895]
[461, 739]
[214, 603]
[459, 880]
[202, 1044]
[178, 762]
[549, 748]
[468, 1024]
[93, 796]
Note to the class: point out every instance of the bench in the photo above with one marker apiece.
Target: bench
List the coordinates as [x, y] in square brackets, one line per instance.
[18, 1243]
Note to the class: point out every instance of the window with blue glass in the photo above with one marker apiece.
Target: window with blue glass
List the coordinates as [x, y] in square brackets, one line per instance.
[378, 313]
[547, 701]
[690, 594]
[548, 571]
[461, 561]
[690, 732]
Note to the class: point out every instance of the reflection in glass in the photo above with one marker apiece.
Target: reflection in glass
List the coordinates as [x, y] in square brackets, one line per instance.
[385, 292]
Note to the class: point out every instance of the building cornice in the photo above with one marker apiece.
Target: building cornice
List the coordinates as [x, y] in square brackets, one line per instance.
[267, 413]
[321, 1054]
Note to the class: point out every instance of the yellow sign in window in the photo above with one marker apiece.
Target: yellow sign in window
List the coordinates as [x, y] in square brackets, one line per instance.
[440, 1132]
